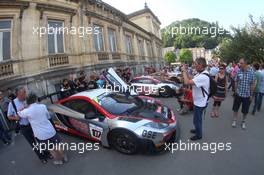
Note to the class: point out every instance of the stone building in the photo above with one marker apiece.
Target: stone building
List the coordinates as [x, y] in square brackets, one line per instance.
[196, 53]
[201, 52]
[94, 36]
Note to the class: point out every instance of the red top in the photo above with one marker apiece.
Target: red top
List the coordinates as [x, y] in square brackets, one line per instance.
[188, 96]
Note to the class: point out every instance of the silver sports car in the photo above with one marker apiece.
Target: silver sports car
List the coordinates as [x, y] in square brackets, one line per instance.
[126, 123]
[121, 120]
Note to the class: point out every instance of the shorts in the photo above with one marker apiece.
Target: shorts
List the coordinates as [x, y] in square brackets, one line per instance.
[51, 141]
[245, 104]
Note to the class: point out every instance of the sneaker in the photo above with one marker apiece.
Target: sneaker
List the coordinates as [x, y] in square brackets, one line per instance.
[193, 131]
[65, 158]
[234, 124]
[44, 161]
[48, 155]
[185, 110]
[243, 125]
[6, 143]
[58, 162]
[194, 138]
[182, 112]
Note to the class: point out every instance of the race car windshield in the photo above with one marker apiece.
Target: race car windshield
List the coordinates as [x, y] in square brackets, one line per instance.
[120, 103]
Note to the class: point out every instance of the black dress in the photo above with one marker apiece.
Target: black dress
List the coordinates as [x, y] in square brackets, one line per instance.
[220, 93]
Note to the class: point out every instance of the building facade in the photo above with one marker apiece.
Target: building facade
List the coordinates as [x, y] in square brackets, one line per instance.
[201, 52]
[91, 36]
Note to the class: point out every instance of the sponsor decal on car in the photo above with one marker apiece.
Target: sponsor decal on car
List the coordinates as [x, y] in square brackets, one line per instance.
[149, 134]
[59, 126]
[96, 131]
[79, 125]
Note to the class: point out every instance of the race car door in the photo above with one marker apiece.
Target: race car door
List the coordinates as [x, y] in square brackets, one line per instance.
[78, 116]
[117, 83]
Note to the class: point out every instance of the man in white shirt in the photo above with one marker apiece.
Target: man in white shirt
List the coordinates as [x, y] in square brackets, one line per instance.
[38, 117]
[14, 107]
[200, 90]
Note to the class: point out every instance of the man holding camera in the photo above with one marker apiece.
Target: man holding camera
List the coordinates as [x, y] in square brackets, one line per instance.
[200, 91]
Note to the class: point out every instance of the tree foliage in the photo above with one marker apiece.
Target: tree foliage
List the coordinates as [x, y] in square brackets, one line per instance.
[172, 35]
[246, 42]
[186, 56]
[170, 57]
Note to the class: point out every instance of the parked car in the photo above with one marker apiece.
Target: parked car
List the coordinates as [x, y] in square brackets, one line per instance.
[175, 76]
[150, 85]
[117, 120]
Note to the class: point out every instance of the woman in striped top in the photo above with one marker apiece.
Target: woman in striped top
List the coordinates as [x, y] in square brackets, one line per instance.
[220, 95]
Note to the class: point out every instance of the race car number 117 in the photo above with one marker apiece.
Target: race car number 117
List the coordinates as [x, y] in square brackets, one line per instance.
[96, 131]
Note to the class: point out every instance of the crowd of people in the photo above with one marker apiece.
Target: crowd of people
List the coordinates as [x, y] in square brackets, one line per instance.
[201, 83]
[73, 85]
[246, 81]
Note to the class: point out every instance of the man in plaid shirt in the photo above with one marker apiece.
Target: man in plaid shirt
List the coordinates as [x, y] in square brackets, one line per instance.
[244, 86]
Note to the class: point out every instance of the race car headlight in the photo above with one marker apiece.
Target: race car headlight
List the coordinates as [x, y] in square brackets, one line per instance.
[157, 125]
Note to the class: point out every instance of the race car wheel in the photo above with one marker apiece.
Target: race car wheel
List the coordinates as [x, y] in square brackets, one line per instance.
[124, 141]
[165, 91]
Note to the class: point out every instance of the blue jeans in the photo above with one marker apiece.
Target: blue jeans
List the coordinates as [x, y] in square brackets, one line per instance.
[258, 101]
[198, 120]
[4, 135]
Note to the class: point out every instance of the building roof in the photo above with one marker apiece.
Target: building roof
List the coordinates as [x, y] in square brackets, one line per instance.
[127, 17]
[143, 11]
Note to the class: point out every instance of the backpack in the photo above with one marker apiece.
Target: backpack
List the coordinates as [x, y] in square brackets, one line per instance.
[212, 87]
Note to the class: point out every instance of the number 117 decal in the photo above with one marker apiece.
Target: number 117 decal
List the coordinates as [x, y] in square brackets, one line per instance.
[96, 131]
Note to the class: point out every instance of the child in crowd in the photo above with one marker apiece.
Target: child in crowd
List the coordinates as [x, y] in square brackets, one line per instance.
[186, 102]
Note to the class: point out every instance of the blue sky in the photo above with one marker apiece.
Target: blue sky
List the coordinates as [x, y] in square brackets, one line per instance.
[226, 12]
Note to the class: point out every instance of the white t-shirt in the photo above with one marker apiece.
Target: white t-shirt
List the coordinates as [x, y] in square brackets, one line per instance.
[200, 80]
[37, 115]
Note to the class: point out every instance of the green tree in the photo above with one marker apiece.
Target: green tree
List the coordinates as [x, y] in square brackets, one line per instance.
[195, 37]
[170, 57]
[186, 56]
[246, 42]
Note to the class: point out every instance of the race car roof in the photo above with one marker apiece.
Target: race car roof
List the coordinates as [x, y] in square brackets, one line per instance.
[92, 93]
[148, 77]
